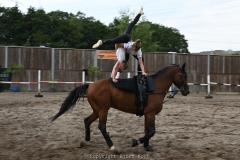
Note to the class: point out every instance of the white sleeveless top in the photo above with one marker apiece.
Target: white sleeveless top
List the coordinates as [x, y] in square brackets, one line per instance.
[120, 54]
[127, 48]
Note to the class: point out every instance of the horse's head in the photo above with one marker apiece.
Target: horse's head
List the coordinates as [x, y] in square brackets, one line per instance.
[180, 80]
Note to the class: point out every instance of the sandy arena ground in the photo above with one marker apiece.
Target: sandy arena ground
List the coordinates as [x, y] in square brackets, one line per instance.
[189, 127]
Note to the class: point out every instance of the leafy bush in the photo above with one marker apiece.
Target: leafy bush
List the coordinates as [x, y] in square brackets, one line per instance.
[14, 68]
[93, 69]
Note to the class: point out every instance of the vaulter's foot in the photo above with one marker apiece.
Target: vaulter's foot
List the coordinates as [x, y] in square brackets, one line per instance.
[99, 43]
[141, 11]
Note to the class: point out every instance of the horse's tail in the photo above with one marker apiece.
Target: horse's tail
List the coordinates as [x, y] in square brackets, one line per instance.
[70, 101]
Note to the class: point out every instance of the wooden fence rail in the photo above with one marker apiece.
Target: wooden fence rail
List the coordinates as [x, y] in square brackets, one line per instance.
[66, 65]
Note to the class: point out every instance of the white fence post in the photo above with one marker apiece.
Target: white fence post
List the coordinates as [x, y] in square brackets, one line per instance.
[39, 84]
[53, 64]
[83, 77]
[6, 57]
[208, 77]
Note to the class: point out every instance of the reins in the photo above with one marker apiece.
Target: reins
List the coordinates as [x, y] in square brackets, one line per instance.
[165, 93]
[182, 89]
[170, 97]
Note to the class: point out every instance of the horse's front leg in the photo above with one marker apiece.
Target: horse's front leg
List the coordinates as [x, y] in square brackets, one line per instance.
[149, 132]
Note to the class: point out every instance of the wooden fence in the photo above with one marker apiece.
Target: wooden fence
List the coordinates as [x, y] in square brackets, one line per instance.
[66, 65]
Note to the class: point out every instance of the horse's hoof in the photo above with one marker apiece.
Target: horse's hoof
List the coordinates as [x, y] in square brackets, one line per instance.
[134, 142]
[83, 143]
[149, 149]
[113, 150]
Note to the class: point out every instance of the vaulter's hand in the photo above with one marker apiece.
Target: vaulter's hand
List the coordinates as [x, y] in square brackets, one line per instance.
[145, 74]
[115, 80]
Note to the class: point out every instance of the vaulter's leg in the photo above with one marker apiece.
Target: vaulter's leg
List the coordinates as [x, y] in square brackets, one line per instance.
[102, 128]
[88, 121]
[149, 132]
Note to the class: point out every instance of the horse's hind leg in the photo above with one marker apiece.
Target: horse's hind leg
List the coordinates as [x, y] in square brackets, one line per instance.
[88, 121]
[102, 128]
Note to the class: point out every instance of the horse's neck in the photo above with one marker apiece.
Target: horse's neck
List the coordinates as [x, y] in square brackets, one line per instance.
[164, 81]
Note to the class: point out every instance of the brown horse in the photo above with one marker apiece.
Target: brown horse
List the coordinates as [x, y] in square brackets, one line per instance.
[102, 95]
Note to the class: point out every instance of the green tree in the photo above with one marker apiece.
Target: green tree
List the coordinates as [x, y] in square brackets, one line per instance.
[75, 31]
[154, 37]
[62, 29]
[168, 39]
[12, 26]
[37, 27]
[144, 33]
[91, 31]
[111, 31]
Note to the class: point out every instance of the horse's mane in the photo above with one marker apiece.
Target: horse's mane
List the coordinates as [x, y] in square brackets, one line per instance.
[164, 70]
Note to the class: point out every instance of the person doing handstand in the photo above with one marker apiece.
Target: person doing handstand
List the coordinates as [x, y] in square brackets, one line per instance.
[133, 48]
[125, 37]
[121, 44]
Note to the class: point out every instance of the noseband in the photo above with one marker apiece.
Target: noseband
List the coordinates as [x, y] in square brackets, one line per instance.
[183, 85]
[182, 89]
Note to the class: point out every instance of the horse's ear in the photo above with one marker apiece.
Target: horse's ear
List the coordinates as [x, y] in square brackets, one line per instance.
[183, 66]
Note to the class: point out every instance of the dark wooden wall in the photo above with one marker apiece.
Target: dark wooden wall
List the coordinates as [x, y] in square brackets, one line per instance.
[69, 63]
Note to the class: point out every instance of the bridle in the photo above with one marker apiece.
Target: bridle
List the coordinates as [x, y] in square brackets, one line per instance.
[182, 89]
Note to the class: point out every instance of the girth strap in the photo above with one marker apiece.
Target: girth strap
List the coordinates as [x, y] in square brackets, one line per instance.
[141, 95]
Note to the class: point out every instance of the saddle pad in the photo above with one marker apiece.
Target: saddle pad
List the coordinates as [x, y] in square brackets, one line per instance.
[150, 84]
[130, 84]
[125, 84]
